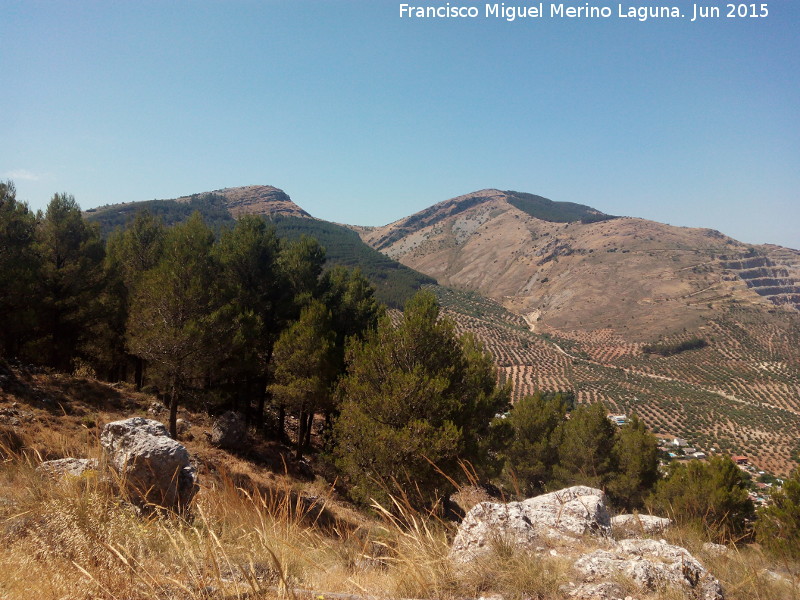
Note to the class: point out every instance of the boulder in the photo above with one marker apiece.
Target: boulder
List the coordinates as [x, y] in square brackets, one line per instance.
[229, 431]
[653, 565]
[154, 469]
[573, 511]
[74, 467]
[568, 513]
[636, 525]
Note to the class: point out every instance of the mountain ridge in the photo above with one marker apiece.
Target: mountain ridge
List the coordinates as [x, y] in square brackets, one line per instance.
[560, 265]
[550, 268]
[586, 304]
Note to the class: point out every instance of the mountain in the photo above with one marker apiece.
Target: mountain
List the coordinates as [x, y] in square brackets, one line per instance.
[262, 200]
[568, 267]
[695, 332]
[394, 283]
[219, 208]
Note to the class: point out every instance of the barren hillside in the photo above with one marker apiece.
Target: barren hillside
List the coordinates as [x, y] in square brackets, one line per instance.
[577, 269]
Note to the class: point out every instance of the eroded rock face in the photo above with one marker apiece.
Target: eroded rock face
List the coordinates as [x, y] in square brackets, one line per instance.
[653, 565]
[153, 468]
[635, 525]
[229, 431]
[568, 513]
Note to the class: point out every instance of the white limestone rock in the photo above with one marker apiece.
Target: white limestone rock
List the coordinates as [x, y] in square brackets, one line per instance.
[636, 525]
[566, 514]
[73, 467]
[154, 469]
[653, 565]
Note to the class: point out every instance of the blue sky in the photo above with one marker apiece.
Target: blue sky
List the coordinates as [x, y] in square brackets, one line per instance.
[364, 117]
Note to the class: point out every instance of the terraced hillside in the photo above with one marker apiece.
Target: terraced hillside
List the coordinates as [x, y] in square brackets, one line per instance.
[738, 394]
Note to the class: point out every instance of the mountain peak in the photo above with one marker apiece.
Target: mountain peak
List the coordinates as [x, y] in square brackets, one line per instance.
[256, 200]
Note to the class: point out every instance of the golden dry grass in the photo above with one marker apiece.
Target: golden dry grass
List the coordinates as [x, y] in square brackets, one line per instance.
[254, 533]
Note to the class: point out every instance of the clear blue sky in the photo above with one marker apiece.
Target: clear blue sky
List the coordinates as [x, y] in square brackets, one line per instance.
[364, 117]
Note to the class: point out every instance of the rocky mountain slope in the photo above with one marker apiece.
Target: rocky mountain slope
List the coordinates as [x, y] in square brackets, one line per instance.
[256, 200]
[567, 267]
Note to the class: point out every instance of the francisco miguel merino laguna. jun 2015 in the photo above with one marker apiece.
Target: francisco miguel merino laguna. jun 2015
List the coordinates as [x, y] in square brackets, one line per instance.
[586, 11]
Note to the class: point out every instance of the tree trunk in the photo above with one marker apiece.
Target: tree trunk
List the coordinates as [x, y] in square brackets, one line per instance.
[301, 433]
[258, 419]
[173, 410]
[307, 441]
[138, 375]
[281, 422]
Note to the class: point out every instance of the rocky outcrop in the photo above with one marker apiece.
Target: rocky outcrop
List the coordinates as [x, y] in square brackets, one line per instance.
[569, 513]
[636, 525]
[229, 431]
[652, 565]
[596, 591]
[559, 523]
[153, 469]
[74, 467]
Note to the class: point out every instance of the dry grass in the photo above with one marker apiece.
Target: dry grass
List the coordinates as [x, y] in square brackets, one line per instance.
[254, 533]
[74, 539]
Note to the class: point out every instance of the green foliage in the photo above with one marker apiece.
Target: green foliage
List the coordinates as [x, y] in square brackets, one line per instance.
[394, 283]
[354, 308]
[542, 448]
[586, 454]
[20, 267]
[211, 206]
[414, 395]
[533, 431]
[176, 319]
[257, 292]
[635, 465]
[136, 248]
[711, 495]
[301, 262]
[130, 252]
[556, 212]
[70, 283]
[303, 368]
[778, 524]
[675, 348]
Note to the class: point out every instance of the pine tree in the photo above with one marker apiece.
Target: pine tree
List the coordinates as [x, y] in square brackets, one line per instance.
[778, 524]
[177, 320]
[20, 269]
[586, 453]
[711, 495]
[72, 279]
[409, 403]
[130, 252]
[530, 452]
[301, 262]
[636, 465]
[302, 366]
[257, 290]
